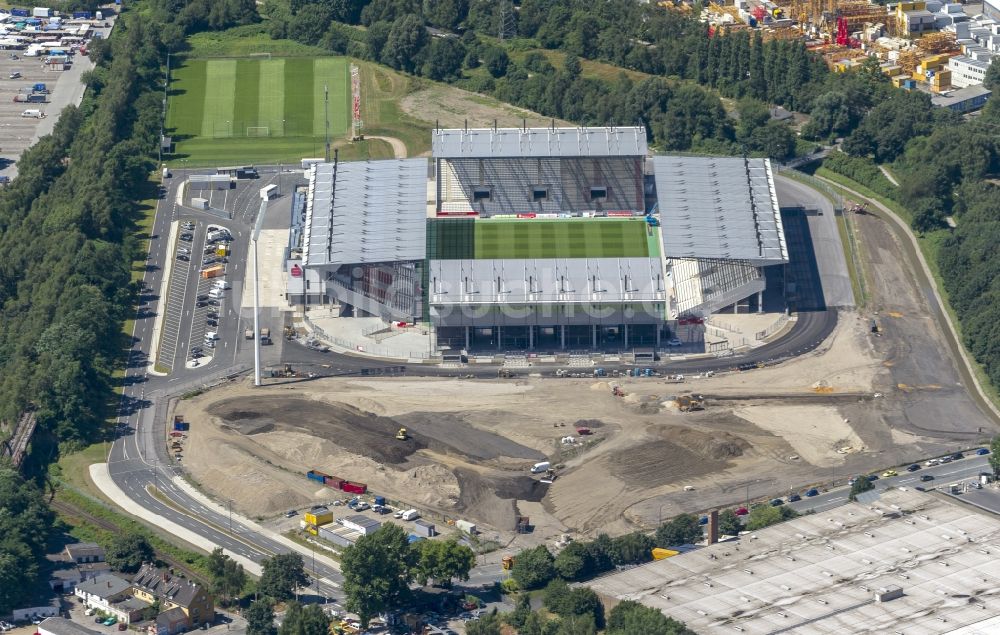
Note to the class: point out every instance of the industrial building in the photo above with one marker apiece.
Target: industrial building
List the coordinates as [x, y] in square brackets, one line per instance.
[543, 238]
[899, 562]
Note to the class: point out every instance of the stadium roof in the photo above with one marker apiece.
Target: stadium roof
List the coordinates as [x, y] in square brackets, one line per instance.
[371, 211]
[550, 280]
[491, 143]
[715, 207]
[819, 574]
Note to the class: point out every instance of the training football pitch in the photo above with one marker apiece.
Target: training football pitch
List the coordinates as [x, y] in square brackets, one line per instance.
[257, 110]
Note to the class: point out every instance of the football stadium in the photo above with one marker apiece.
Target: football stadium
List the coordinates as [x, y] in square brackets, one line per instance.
[543, 239]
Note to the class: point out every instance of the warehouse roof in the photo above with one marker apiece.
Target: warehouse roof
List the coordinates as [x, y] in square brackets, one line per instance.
[361, 520]
[61, 626]
[549, 280]
[370, 211]
[491, 143]
[818, 574]
[719, 207]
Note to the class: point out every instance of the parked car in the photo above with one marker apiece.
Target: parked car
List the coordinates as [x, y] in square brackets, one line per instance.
[812, 492]
[927, 477]
[121, 625]
[213, 303]
[290, 513]
[873, 477]
[982, 451]
[211, 322]
[188, 225]
[957, 456]
[183, 258]
[212, 315]
[675, 342]
[203, 297]
[703, 520]
[201, 303]
[15, 75]
[794, 498]
[889, 473]
[913, 468]
[775, 502]
[187, 237]
[931, 462]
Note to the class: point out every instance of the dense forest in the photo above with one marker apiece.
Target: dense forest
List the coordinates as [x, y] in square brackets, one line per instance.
[66, 237]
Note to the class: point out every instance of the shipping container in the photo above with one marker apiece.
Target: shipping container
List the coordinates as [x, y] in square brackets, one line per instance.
[354, 488]
[424, 529]
[380, 500]
[466, 526]
[313, 475]
[213, 272]
[180, 424]
[82, 15]
[334, 482]
[21, 13]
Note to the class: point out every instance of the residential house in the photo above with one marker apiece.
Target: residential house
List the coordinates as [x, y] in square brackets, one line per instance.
[170, 622]
[152, 584]
[102, 591]
[82, 552]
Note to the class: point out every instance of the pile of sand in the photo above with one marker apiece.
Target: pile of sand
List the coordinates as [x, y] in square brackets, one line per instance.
[815, 432]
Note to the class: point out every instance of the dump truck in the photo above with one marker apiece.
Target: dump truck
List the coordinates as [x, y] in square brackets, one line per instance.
[248, 333]
[33, 98]
[265, 335]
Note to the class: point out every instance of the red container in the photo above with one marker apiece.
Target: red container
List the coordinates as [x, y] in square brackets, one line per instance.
[333, 482]
[354, 488]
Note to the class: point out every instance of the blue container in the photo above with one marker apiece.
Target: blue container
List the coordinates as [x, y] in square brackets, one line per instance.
[380, 500]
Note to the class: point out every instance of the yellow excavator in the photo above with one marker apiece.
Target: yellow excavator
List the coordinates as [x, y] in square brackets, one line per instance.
[402, 435]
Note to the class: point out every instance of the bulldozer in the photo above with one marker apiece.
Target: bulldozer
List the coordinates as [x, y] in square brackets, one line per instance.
[690, 403]
[402, 434]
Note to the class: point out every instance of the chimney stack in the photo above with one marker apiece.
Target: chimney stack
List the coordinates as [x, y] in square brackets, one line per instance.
[713, 527]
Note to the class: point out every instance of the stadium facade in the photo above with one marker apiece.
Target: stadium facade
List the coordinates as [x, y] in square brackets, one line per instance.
[544, 238]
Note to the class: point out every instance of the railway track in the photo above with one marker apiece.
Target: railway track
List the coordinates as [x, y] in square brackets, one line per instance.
[66, 509]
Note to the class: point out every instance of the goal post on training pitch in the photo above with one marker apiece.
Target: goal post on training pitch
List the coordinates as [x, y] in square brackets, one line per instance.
[258, 131]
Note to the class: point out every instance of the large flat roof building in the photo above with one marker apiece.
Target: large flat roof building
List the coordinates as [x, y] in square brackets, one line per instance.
[543, 238]
[905, 562]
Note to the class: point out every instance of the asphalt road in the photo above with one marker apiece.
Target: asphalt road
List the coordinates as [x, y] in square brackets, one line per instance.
[139, 459]
[944, 475]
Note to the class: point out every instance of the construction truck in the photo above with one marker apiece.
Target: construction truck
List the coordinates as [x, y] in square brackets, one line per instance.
[402, 434]
[248, 333]
[265, 335]
[507, 562]
[690, 403]
[505, 373]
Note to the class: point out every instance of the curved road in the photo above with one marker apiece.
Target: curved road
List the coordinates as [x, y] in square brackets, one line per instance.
[139, 463]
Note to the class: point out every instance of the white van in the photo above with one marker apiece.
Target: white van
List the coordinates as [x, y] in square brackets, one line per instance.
[538, 468]
[211, 336]
[215, 293]
[33, 114]
[410, 514]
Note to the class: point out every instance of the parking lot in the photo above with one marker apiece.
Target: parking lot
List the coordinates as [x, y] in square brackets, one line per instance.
[17, 133]
[195, 305]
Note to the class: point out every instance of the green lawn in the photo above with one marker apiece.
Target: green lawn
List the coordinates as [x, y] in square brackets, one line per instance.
[538, 238]
[257, 110]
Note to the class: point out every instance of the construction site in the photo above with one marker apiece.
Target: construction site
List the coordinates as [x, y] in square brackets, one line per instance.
[912, 41]
[630, 451]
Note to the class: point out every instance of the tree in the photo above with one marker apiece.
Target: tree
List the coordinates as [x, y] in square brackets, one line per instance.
[634, 548]
[281, 575]
[444, 59]
[994, 459]
[488, 624]
[377, 571]
[574, 562]
[405, 43]
[533, 568]
[127, 551]
[566, 602]
[495, 60]
[228, 576]
[860, 484]
[22, 545]
[310, 23]
[679, 530]
[442, 560]
[729, 523]
[767, 515]
[631, 618]
[310, 620]
[260, 618]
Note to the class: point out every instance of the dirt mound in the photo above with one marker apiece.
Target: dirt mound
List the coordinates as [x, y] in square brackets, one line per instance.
[717, 445]
[659, 462]
[492, 499]
[453, 433]
[593, 424]
[362, 432]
